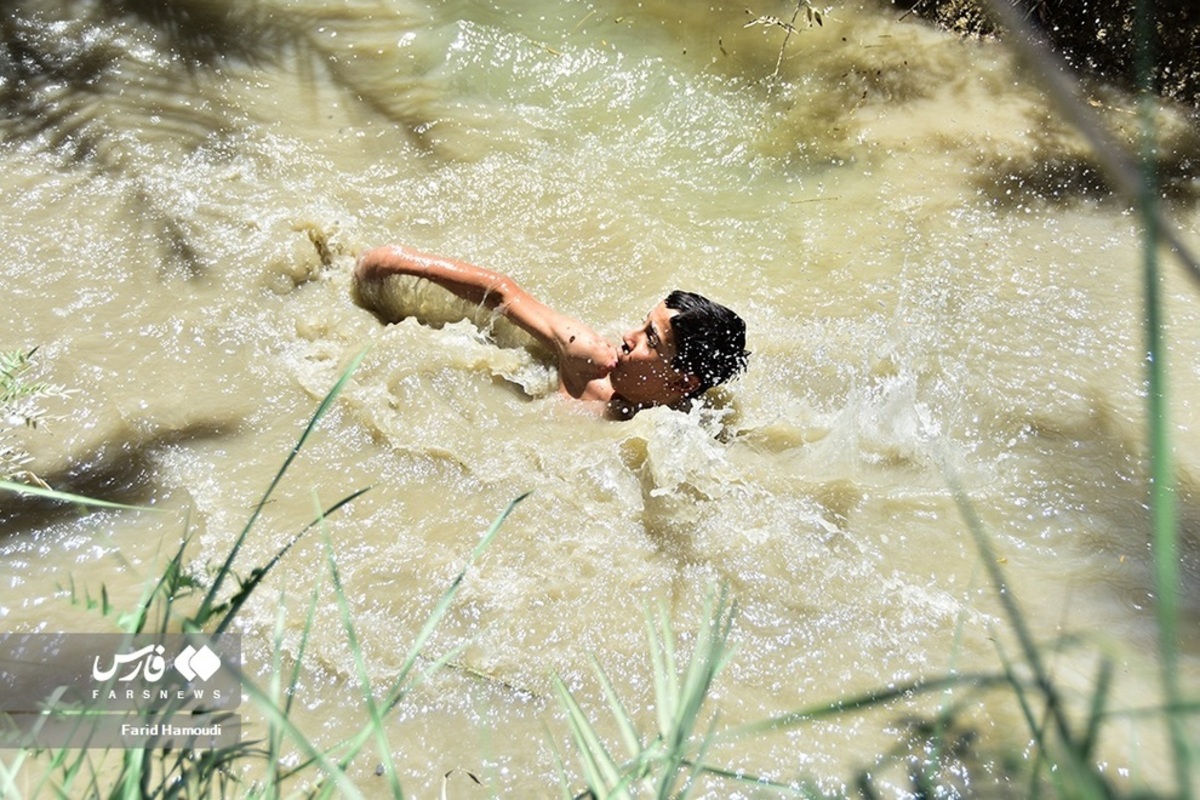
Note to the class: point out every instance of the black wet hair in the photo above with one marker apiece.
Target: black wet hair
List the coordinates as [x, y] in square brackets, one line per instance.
[710, 339]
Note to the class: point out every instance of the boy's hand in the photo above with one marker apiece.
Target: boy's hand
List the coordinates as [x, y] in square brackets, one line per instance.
[582, 345]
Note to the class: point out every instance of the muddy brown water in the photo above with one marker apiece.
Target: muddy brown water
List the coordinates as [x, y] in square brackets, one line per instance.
[933, 290]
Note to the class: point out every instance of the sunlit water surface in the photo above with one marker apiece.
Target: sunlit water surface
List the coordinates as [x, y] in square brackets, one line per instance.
[930, 295]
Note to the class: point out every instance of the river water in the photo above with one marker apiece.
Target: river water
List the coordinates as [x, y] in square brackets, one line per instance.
[935, 292]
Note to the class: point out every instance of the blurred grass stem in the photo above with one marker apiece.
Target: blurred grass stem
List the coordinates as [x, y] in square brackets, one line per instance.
[1163, 509]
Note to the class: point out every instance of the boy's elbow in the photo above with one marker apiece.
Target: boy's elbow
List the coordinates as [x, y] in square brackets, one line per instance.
[368, 266]
[501, 290]
[504, 294]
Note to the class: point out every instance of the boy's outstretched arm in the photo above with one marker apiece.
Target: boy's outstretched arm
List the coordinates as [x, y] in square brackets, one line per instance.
[473, 284]
[575, 343]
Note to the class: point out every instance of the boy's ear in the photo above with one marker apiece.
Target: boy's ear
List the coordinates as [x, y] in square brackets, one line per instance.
[688, 382]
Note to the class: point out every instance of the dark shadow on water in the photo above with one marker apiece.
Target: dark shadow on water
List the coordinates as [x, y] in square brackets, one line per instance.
[100, 84]
[115, 471]
[1056, 172]
[206, 32]
[943, 756]
[69, 87]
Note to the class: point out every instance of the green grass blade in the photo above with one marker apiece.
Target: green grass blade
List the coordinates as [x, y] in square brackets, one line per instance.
[1096, 712]
[1036, 727]
[669, 662]
[867, 700]
[735, 776]
[1016, 617]
[1163, 502]
[709, 655]
[375, 718]
[559, 764]
[9, 774]
[67, 497]
[135, 622]
[434, 666]
[399, 685]
[294, 679]
[694, 766]
[298, 659]
[336, 777]
[600, 771]
[628, 731]
[274, 734]
[932, 766]
[1184, 708]
[258, 575]
[662, 667]
[326, 404]
[447, 598]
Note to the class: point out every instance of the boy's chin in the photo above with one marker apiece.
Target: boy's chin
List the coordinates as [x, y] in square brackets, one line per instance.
[638, 394]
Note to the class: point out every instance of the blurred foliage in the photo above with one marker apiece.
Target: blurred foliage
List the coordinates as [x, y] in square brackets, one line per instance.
[20, 407]
[1096, 37]
[113, 87]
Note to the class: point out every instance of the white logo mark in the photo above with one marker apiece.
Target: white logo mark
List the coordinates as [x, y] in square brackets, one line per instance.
[192, 663]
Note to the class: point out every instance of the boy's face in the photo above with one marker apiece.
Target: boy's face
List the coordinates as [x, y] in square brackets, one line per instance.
[644, 374]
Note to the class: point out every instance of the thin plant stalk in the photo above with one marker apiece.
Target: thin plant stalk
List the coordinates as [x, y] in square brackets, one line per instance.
[673, 755]
[67, 497]
[277, 717]
[374, 715]
[871, 699]
[1163, 512]
[257, 576]
[276, 735]
[404, 683]
[1055, 709]
[227, 568]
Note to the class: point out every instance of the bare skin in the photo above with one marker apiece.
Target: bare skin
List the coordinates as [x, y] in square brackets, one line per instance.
[618, 380]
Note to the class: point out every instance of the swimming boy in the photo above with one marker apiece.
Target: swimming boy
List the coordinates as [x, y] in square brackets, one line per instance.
[686, 345]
